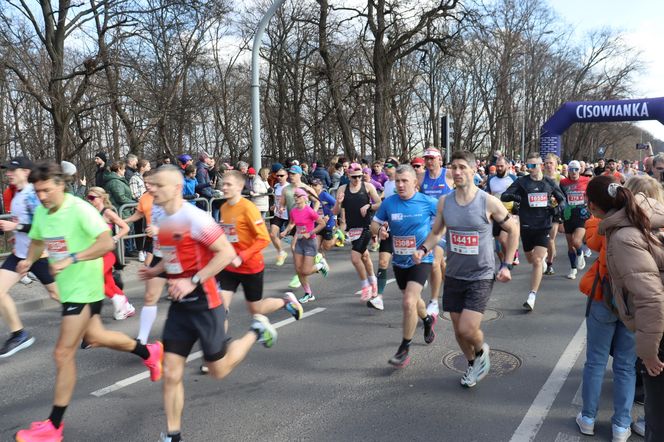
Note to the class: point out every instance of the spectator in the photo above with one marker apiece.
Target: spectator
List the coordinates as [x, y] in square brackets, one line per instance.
[184, 160]
[336, 176]
[190, 182]
[100, 161]
[260, 191]
[377, 174]
[344, 178]
[137, 183]
[75, 186]
[117, 187]
[322, 174]
[164, 160]
[657, 169]
[600, 167]
[242, 166]
[204, 185]
[132, 167]
[272, 179]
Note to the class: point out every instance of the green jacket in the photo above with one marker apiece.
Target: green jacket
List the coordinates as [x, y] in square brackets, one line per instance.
[118, 191]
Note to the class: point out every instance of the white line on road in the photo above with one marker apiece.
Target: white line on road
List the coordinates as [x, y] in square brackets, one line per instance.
[577, 401]
[192, 357]
[359, 292]
[564, 437]
[539, 409]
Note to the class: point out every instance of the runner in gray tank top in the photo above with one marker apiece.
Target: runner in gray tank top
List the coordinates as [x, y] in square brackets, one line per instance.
[467, 213]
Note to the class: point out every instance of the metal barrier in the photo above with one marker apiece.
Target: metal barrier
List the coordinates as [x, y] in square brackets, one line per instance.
[6, 247]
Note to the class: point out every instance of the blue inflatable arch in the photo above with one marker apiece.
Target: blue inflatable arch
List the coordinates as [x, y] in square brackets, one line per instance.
[596, 112]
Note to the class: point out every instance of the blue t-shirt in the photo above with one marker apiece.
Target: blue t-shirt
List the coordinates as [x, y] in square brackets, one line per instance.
[410, 223]
[327, 202]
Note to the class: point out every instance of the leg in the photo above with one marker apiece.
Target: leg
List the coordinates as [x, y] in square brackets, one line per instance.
[436, 278]
[600, 326]
[72, 329]
[274, 236]
[173, 390]
[413, 308]
[153, 290]
[7, 305]
[236, 351]
[535, 258]
[356, 259]
[551, 248]
[467, 331]
[368, 265]
[624, 375]
[654, 405]
[383, 263]
[97, 336]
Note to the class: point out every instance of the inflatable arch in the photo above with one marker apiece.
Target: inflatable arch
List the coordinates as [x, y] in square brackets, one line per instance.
[596, 112]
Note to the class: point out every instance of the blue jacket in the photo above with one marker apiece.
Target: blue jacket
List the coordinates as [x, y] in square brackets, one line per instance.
[203, 184]
[322, 175]
[189, 189]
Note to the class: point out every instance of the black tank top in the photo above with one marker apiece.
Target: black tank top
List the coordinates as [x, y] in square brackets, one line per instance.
[352, 204]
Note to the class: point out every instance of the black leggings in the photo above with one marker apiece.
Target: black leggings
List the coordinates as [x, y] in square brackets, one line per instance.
[654, 405]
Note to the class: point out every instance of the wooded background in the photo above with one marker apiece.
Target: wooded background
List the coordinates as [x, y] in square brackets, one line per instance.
[363, 78]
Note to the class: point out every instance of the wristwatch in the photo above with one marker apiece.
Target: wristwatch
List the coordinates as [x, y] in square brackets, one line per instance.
[73, 257]
[196, 279]
[509, 266]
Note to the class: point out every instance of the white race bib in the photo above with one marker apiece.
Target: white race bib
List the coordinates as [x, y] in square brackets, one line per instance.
[171, 262]
[57, 248]
[404, 245]
[231, 232]
[354, 234]
[539, 199]
[576, 198]
[464, 243]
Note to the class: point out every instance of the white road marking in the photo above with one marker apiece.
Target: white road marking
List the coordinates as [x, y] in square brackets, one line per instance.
[359, 292]
[192, 357]
[539, 409]
[578, 397]
[564, 437]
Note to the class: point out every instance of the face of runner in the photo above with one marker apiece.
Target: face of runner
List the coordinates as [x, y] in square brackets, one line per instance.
[462, 173]
[95, 200]
[573, 173]
[534, 167]
[390, 171]
[432, 163]
[231, 187]
[377, 168]
[50, 192]
[166, 186]
[301, 201]
[282, 176]
[611, 165]
[501, 168]
[18, 177]
[550, 166]
[405, 184]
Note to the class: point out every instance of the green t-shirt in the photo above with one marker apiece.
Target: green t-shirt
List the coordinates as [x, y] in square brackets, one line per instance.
[72, 229]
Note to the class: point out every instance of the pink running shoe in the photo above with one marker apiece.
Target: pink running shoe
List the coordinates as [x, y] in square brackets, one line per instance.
[43, 431]
[366, 293]
[154, 362]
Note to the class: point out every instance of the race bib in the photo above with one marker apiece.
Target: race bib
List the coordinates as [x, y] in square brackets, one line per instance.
[231, 232]
[300, 231]
[57, 248]
[404, 245]
[539, 199]
[576, 198]
[354, 234]
[171, 262]
[464, 243]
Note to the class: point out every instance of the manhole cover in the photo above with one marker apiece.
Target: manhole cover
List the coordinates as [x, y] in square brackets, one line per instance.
[502, 362]
[489, 315]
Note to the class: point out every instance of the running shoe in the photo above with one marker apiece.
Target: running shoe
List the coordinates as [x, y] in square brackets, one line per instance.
[530, 302]
[155, 361]
[468, 379]
[586, 425]
[293, 306]
[295, 282]
[26, 280]
[203, 369]
[376, 302]
[166, 438]
[550, 270]
[429, 332]
[318, 257]
[587, 252]
[482, 364]
[620, 434]
[400, 358]
[639, 426]
[324, 267]
[267, 334]
[516, 259]
[572, 274]
[544, 266]
[580, 262]
[16, 343]
[126, 311]
[374, 246]
[281, 258]
[141, 256]
[43, 431]
[308, 297]
[432, 308]
[366, 293]
[374, 288]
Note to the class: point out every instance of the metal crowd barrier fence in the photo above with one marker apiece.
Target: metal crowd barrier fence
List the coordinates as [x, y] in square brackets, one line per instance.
[6, 246]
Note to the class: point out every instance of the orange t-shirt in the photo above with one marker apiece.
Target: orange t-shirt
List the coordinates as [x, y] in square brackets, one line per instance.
[245, 229]
[145, 207]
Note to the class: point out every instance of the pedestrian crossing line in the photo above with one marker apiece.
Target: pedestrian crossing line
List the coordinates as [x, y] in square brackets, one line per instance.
[192, 357]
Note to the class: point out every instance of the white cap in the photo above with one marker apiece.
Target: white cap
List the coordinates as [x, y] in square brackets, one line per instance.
[574, 165]
[68, 168]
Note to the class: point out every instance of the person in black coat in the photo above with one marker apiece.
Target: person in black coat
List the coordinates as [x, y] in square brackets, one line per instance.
[100, 161]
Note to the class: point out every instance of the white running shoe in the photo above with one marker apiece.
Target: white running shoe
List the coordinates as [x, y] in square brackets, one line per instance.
[482, 364]
[26, 280]
[580, 262]
[468, 379]
[620, 434]
[587, 252]
[530, 302]
[376, 302]
[127, 310]
[639, 426]
[432, 308]
[572, 274]
[586, 425]
[141, 256]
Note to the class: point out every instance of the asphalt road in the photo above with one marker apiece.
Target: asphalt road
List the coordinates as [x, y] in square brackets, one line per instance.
[327, 378]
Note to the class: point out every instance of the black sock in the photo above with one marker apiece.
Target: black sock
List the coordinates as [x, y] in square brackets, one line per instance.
[56, 415]
[479, 353]
[141, 350]
[17, 333]
[471, 363]
[175, 436]
[427, 320]
[405, 344]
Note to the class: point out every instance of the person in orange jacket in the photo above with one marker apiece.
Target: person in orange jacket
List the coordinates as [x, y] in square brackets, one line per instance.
[596, 243]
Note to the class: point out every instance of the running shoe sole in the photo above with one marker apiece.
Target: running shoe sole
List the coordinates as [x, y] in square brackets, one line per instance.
[293, 306]
[154, 377]
[527, 307]
[399, 364]
[268, 333]
[432, 335]
[19, 347]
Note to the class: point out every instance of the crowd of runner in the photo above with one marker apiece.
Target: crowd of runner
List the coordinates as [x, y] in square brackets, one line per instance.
[441, 225]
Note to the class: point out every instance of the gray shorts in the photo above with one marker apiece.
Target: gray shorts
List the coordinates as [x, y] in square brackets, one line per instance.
[306, 247]
[459, 295]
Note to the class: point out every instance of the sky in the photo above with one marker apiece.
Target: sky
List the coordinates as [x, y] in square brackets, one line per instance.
[641, 22]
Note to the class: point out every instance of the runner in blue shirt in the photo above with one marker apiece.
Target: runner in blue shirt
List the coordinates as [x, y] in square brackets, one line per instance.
[408, 216]
[326, 236]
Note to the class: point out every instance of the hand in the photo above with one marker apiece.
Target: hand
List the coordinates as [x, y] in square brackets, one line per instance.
[152, 231]
[306, 235]
[145, 273]
[504, 275]
[23, 267]
[83, 181]
[383, 233]
[282, 234]
[340, 197]
[364, 209]
[59, 266]
[417, 256]
[654, 366]
[237, 261]
[7, 226]
[179, 288]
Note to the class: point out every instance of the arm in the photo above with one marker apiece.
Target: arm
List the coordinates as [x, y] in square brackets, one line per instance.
[102, 245]
[320, 225]
[341, 192]
[115, 219]
[288, 228]
[35, 251]
[261, 237]
[500, 215]
[436, 231]
[513, 193]
[373, 194]
[136, 216]
[593, 239]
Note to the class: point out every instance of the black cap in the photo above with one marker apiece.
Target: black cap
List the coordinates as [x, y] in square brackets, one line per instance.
[392, 163]
[18, 163]
[611, 160]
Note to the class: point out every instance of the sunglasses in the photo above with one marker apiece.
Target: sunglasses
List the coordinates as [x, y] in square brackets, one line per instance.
[91, 197]
[282, 175]
[661, 169]
[573, 169]
[417, 166]
[389, 166]
[532, 165]
[356, 177]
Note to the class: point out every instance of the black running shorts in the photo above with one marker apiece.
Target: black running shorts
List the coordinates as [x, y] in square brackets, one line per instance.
[361, 244]
[39, 268]
[418, 273]
[75, 308]
[252, 284]
[534, 238]
[386, 245]
[574, 222]
[459, 295]
[184, 327]
[155, 261]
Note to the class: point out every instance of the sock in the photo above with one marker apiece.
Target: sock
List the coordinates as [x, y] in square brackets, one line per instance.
[148, 316]
[365, 282]
[382, 280]
[372, 279]
[18, 333]
[572, 259]
[141, 350]
[306, 288]
[175, 436]
[405, 344]
[532, 292]
[471, 363]
[479, 353]
[56, 415]
[579, 252]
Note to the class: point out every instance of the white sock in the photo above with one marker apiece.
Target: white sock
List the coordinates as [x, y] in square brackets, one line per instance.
[148, 316]
[373, 279]
[365, 282]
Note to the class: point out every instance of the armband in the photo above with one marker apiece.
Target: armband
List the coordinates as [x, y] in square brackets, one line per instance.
[423, 248]
[507, 217]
